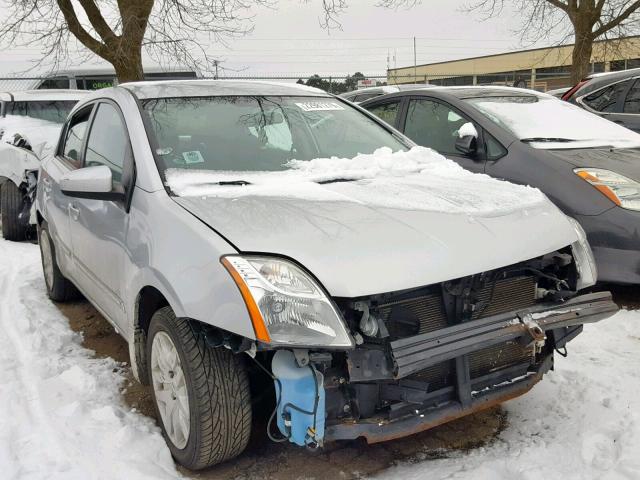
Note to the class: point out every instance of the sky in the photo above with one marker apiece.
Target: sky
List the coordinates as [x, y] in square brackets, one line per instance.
[288, 40]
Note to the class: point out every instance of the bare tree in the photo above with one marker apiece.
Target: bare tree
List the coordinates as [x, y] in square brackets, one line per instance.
[585, 20]
[118, 31]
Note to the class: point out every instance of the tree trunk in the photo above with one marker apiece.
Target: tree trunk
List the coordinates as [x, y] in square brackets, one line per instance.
[581, 55]
[129, 66]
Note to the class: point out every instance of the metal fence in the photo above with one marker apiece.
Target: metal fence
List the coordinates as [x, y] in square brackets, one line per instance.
[541, 81]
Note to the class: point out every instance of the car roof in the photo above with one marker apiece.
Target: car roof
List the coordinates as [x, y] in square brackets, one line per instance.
[615, 75]
[211, 88]
[386, 89]
[469, 92]
[44, 94]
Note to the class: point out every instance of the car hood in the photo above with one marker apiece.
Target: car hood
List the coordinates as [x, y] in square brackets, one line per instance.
[356, 249]
[623, 161]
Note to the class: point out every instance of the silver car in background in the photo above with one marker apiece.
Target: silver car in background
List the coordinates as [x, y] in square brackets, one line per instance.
[354, 318]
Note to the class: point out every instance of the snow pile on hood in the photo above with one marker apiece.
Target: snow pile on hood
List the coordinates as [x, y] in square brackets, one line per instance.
[553, 118]
[42, 135]
[62, 416]
[582, 421]
[419, 179]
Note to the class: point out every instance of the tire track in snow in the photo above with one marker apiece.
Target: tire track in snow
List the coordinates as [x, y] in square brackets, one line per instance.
[24, 376]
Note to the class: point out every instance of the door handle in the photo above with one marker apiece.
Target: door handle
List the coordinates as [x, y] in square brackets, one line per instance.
[47, 185]
[74, 211]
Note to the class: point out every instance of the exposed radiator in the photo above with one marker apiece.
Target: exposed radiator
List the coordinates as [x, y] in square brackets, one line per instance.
[425, 313]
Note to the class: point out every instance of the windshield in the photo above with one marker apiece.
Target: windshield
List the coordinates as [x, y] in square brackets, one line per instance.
[552, 123]
[55, 111]
[250, 134]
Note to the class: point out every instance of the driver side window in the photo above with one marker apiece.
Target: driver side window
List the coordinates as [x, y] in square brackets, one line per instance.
[74, 138]
[108, 142]
[433, 124]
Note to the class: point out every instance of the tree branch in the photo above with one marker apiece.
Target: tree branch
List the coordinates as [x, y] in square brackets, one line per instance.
[614, 22]
[97, 20]
[76, 28]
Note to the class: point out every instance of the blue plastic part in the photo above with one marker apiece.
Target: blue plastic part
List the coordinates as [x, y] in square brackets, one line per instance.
[297, 400]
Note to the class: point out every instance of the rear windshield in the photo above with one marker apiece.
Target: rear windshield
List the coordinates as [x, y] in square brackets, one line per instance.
[55, 111]
[253, 133]
[547, 122]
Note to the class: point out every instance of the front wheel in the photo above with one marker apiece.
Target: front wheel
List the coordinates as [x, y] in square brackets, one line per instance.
[11, 206]
[201, 393]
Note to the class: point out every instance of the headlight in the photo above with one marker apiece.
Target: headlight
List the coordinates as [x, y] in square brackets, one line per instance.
[621, 190]
[583, 256]
[286, 305]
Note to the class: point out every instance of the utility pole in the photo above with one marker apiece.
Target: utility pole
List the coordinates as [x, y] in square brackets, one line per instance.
[215, 63]
[415, 63]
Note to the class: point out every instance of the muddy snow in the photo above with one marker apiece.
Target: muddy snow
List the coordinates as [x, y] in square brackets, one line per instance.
[64, 417]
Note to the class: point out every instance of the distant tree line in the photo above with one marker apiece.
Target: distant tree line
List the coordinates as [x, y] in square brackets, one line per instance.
[334, 86]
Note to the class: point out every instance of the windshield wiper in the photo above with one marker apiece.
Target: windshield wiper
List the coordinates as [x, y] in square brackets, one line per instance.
[547, 139]
[336, 180]
[228, 182]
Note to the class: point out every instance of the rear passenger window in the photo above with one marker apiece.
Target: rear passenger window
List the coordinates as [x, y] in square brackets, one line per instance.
[108, 141]
[632, 102]
[605, 100]
[386, 112]
[76, 131]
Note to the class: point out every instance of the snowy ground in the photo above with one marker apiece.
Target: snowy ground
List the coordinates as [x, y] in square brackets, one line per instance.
[62, 415]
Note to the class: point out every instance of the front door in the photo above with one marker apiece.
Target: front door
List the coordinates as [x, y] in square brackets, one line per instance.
[99, 227]
[55, 203]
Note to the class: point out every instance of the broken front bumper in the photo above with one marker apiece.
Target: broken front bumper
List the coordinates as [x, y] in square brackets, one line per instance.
[534, 327]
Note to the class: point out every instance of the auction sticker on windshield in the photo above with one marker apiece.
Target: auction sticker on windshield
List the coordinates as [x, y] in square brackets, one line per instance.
[193, 157]
[319, 106]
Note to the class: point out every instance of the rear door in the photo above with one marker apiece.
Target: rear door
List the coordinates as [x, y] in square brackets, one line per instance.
[630, 116]
[99, 227]
[433, 123]
[55, 204]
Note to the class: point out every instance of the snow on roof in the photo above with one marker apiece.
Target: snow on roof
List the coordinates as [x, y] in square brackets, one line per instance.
[44, 94]
[195, 88]
[419, 179]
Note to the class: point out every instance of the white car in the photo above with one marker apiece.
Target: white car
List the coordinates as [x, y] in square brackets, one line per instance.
[30, 123]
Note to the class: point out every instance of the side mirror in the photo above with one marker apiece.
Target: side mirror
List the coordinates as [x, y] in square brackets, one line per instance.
[467, 139]
[94, 183]
[467, 145]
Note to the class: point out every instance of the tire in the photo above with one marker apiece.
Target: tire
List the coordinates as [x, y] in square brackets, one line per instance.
[217, 387]
[11, 205]
[59, 288]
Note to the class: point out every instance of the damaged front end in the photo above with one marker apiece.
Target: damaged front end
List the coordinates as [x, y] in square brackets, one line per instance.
[429, 355]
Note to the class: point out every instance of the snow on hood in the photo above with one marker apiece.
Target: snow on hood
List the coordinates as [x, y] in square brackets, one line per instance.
[42, 135]
[552, 118]
[419, 179]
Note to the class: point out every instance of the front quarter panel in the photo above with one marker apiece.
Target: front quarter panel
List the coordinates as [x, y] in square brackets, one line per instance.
[174, 252]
